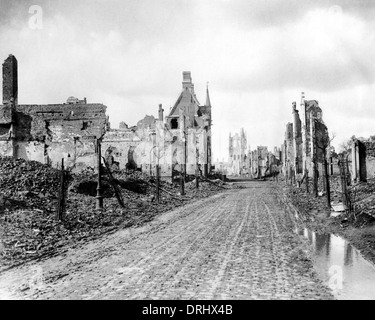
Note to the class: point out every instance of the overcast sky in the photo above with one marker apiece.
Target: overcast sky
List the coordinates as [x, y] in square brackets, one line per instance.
[256, 55]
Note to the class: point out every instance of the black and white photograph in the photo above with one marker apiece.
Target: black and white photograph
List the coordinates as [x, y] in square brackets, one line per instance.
[200, 152]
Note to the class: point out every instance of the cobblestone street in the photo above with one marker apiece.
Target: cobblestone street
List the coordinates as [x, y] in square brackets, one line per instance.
[235, 245]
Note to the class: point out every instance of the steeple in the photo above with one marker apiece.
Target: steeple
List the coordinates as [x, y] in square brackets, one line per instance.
[208, 102]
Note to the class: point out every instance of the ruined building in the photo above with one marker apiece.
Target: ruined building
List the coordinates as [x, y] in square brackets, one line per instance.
[305, 138]
[69, 131]
[48, 133]
[259, 162]
[362, 159]
[180, 143]
[238, 164]
[190, 123]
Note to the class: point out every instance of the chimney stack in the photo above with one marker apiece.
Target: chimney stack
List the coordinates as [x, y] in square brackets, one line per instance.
[161, 114]
[10, 80]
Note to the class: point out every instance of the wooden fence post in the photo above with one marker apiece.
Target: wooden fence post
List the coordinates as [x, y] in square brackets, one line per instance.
[61, 201]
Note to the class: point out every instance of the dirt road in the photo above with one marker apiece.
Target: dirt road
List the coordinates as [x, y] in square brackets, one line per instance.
[236, 245]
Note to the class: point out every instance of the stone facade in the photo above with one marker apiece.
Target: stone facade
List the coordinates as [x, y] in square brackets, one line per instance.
[238, 154]
[305, 139]
[48, 133]
[263, 162]
[10, 80]
[180, 143]
[362, 159]
[70, 131]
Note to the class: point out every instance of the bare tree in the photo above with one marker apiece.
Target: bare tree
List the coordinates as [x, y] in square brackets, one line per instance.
[346, 146]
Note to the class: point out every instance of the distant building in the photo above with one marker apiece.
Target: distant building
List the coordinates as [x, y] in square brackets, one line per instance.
[237, 162]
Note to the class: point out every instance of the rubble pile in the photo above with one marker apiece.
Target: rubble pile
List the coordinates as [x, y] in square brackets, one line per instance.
[27, 184]
[363, 198]
[306, 203]
[29, 196]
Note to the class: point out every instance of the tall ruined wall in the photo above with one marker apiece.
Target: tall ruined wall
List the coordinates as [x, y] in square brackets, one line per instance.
[313, 111]
[289, 150]
[145, 146]
[10, 80]
[238, 153]
[48, 133]
[6, 129]
[369, 154]
[119, 145]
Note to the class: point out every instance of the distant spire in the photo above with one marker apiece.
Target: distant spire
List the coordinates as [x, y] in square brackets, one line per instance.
[208, 102]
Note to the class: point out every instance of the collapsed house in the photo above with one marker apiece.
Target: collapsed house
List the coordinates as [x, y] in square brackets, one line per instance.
[180, 144]
[48, 133]
[263, 162]
[238, 154]
[306, 139]
[362, 159]
[71, 131]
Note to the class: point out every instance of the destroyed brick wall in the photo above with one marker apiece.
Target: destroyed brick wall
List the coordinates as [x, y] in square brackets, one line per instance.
[370, 158]
[180, 143]
[118, 147]
[297, 140]
[312, 111]
[186, 114]
[6, 129]
[48, 133]
[238, 153]
[300, 148]
[152, 142]
[362, 159]
[263, 160]
[289, 147]
[52, 132]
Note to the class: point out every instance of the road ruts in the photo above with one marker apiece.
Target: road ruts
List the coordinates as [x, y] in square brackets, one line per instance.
[235, 245]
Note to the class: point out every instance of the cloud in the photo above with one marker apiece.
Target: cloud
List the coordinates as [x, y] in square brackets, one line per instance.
[324, 51]
[260, 13]
[257, 55]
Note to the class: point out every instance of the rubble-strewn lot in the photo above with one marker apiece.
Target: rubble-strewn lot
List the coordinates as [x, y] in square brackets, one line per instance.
[358, 227]
[28, 203]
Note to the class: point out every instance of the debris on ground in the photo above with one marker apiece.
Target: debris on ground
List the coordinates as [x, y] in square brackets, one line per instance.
[29, 198]
[357, 225]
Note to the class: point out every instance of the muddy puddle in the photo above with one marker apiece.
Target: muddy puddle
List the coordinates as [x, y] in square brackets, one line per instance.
[341, 266]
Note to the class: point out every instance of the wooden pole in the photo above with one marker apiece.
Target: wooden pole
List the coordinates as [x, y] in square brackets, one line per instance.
[61, 203]
[327, 182]
[157, 183]
[99, 197]
[114, 185]
[331, 166]
[182, 182]
[315, 189]
[196, 163]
